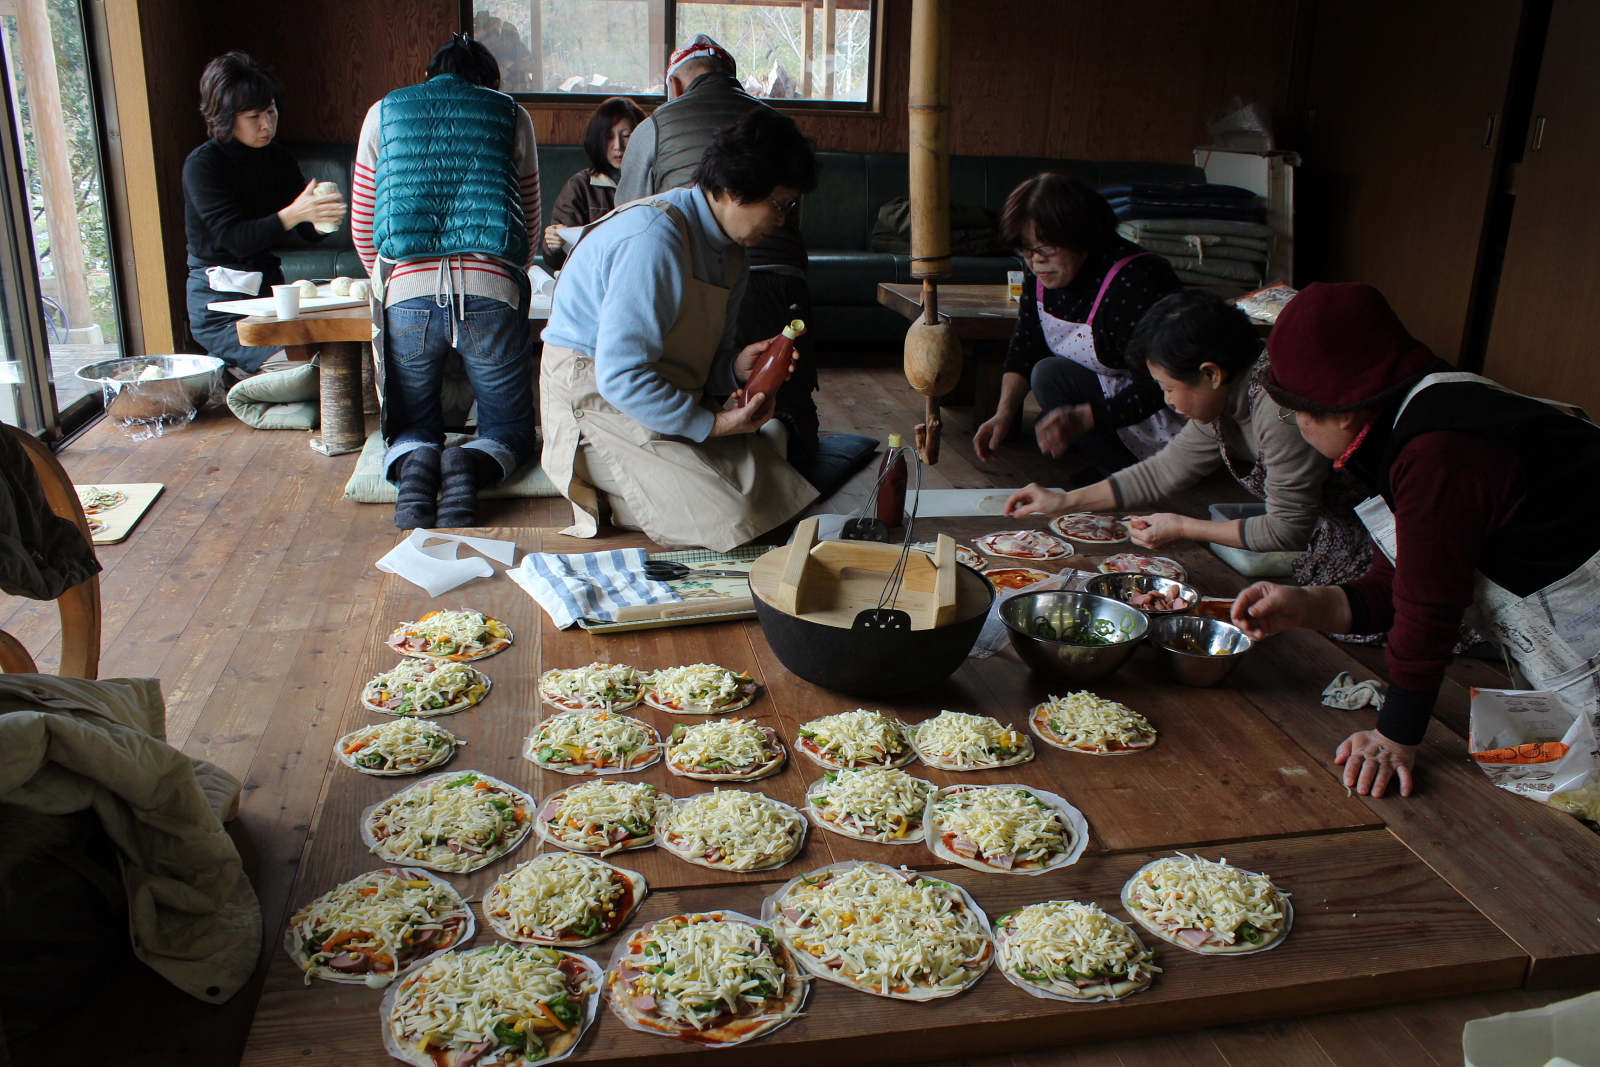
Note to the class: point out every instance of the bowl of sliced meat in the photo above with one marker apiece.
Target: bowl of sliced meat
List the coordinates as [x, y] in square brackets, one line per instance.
[1150, 593]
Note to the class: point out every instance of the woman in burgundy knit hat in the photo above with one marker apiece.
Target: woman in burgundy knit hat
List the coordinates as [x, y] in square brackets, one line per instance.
[1474, 509]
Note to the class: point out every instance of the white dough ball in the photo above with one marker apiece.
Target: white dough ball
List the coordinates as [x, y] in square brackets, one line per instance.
[341, 286]
[326, 189]
[308, 288]
[361, 290]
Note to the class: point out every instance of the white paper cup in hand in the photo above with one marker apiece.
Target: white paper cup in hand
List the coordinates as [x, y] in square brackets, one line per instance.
[287, 299]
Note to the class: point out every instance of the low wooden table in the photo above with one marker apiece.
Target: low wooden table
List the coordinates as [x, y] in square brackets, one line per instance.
[1461, 888]
[983, 316]
[341, 335]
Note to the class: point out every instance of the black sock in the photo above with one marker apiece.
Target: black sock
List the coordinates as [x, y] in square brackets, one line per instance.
[466, 470]
[416, 507]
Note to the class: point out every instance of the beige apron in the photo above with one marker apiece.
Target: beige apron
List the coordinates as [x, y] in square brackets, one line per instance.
[718, 493]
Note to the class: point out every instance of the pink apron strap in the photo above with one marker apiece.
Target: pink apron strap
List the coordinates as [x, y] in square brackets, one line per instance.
[1112, 273]
[1038, 293]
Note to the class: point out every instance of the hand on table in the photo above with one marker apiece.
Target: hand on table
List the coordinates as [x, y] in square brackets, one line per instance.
[1034, 499]
[986, 442]
[747, 418]
[1153, 531]
[1371, 761]
[1056, 428]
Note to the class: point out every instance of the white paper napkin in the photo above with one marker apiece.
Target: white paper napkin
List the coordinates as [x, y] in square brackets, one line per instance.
[435, 566]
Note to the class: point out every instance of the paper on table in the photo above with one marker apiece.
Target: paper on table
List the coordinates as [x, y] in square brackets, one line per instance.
[541, 282]
[435, 566]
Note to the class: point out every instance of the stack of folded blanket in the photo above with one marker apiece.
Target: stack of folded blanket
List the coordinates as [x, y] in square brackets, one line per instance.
[1212, 234]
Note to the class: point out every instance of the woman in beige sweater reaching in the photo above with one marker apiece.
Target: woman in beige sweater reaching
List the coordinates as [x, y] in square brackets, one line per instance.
[1208, 360]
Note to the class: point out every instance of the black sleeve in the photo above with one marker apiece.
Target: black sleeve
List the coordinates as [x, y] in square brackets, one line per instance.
[1027, 345]
[218, 205]
[1135, 288]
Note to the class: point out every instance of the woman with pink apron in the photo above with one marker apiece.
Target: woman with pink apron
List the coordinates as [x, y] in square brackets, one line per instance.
[1090, 288]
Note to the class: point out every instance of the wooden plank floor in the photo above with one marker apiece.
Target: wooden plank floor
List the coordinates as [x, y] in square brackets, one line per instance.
[249, 588]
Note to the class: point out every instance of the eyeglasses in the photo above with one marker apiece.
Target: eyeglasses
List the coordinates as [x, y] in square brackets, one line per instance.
[1041, 252]
[782, 209]
[1287, 416]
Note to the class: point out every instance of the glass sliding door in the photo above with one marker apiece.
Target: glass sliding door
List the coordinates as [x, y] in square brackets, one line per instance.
[55, 136]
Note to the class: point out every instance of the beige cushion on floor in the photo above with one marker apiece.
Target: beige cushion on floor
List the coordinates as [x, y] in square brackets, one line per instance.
[368, 485]
[278, 400]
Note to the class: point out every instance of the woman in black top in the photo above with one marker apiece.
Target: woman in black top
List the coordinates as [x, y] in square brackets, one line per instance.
[241, 194]
[1085, 290]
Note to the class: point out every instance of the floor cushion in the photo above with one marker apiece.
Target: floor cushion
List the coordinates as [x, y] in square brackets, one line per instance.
[368, 485]
[278, 400]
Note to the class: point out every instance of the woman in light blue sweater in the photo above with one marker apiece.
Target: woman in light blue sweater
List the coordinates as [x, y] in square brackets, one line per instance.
[639, 359]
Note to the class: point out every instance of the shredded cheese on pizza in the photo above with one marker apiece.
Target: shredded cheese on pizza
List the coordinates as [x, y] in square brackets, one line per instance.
[95, 499]
[425, 687]
[721, 746]
[559, 895]
[1189, 893]
[597, 739]
[888, 931]
[696, 972]
[699, 686]
[731, 828]
[858, 737]
[963, 741]
[461, 1000]
[1005, 824]
[454, 824]
[1065, 942]
[450, 632]
[883, 802]
[382, 913]
[400, 745]
[599, 816]
[611, 686]
[1083, 720]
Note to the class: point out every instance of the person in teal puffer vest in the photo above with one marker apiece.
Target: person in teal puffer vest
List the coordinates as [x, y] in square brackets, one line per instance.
[444, 209]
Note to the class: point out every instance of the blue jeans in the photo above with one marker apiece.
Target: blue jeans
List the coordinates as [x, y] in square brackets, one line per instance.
[218, 331]
[497, 347]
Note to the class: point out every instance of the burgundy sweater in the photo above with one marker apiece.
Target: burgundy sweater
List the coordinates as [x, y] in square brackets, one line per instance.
[1451, 490]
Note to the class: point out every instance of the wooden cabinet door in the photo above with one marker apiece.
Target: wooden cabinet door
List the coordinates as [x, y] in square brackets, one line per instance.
[1400, 160]
[1545, 340]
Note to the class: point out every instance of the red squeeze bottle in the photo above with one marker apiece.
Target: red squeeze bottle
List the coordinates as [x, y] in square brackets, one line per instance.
[773, 369]
[892, 487]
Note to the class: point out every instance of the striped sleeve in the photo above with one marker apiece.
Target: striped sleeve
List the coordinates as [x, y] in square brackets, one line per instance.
[364, 191]
[528, 175]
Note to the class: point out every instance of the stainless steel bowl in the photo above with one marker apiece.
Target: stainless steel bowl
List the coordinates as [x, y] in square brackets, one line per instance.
[1122, 586]
[186, 383]
[1196, 650]
[1063, 612]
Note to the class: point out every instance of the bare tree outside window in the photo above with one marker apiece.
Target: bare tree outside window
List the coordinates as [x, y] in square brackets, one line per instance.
[799, 50]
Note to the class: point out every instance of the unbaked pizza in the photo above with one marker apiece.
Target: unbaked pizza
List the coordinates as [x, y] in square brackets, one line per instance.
[1083, 722]
[1009, 828]
[1133, 563]
[731, 830]
[597, 687]
[1207, 906]
[857, 738]
[1015, 577]
[371, 928]
[601, 817]
[562, 900]
[458, 636]
[725, 750]
[1090, 528]
[399, 746]
[425, 688]
[1024, 544]
[699, 689]
[1069, 950]
[593, 742]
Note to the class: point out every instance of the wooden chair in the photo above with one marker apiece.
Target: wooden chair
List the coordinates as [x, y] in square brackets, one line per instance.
[80, 605]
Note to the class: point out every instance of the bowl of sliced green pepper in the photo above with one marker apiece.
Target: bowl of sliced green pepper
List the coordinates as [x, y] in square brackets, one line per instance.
[1074, 637]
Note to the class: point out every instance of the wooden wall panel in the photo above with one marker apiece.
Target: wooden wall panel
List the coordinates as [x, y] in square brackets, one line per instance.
[1399, 174]
[1548, 308]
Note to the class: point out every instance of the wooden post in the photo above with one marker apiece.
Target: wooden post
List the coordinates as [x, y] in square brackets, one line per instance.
[55, 160]
[808, 46]
[339, 376]
[830, 45]
[535, 48]
[933, 354]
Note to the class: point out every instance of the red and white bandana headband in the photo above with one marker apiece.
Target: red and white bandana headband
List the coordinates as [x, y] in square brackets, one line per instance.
[701, 47]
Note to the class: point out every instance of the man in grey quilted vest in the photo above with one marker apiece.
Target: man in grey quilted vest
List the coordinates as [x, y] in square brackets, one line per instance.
[704, 97]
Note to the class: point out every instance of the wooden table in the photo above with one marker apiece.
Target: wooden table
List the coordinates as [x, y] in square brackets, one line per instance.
[983, 316]
[1461, 888]
[341, 335]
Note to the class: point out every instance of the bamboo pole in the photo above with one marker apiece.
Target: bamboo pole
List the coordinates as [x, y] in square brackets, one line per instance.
[808, 37]
[54, 156]
[933, 354]
[830, 45]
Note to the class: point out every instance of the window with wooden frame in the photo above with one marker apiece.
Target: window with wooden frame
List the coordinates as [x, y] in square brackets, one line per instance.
[811, 55]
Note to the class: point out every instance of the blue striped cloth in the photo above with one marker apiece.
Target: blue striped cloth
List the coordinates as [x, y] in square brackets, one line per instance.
[589, 585]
